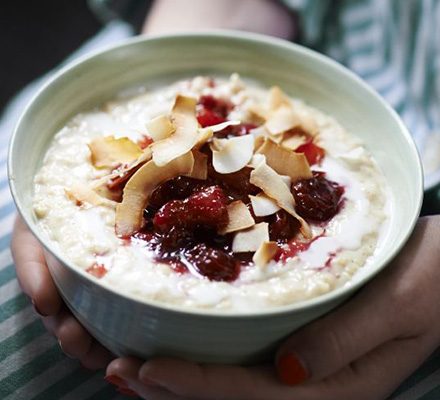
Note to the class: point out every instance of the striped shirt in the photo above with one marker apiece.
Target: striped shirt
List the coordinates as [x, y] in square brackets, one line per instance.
[394, 45]
[32, 366]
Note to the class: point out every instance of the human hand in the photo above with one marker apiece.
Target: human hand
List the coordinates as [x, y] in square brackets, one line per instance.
[36, 282]
[363, 350]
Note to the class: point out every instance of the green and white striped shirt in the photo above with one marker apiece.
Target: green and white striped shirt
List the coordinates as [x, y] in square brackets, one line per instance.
[393, 44]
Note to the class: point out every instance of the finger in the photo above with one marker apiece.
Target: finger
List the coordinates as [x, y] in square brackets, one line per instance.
[123, 373]
[74, 340]
[374, 376]
[327, 345]
[193, 381]
[32, 272]
[97, 357]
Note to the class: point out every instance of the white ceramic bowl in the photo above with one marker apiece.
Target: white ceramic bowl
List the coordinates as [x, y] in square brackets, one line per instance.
[147, 328]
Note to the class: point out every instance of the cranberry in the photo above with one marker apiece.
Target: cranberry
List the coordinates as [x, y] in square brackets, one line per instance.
[317, 198]
[174, 239]
[208, 118]
[212, 111]
[215, 264]
[206, 207]
[313, 152]
[220, 106]
[175, 189]
[283, 226]
[236, 184]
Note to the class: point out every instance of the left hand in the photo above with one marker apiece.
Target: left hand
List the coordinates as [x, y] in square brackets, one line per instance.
[361, 351]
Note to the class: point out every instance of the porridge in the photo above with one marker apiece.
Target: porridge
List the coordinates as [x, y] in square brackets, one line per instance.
[211, 193]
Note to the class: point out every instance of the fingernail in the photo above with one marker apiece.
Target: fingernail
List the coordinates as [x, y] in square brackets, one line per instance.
[116, 380]
[64, 351]
[291, 370]
[127, 392]
[37, 310]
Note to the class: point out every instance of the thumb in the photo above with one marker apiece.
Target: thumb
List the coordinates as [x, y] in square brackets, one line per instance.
[327, 345]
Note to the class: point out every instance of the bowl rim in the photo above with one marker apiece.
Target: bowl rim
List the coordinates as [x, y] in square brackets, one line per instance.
[246, 37]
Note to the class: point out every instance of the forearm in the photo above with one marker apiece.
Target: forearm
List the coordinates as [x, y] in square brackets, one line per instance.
[261, 16]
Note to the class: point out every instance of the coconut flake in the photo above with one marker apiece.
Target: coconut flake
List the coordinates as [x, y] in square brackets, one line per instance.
[285, 162]
[160, 128]
[293, 141]
[282, 120]
[106, 152]
[200, 170]
[81, 193]
[139, 188]
[273, 186]
[258, 112]
[263, 205]
[231, 155]
[256, 160]
[265, 253]
[185, 136]
[277, 99]
[223, 125]
[239, 218]
[259, 131]
[250, 239]
[286, 179]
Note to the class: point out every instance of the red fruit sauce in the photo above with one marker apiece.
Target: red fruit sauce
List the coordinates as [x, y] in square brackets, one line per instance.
[97, 270]
[312, 151]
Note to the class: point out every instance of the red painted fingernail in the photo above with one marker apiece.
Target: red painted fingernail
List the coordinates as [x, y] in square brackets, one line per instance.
[291, 370]
[37, 310]
[128, 392]
[116, 380]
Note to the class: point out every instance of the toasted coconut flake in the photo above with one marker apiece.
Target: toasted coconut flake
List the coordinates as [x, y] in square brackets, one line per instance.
[256, 160]
[286, 179]
[250, 239]
[231, 155]
[308, 123]
[81, 193]
[100, 186]
[285, 162]
[186, 135]
[106, 152]
[259, 131]
[277, 99]
[282, 120]
[263, 205]
[204, 135]
[223, 125]
[293, 141]
[258, 112]
[239, 218]
[160, 128]
[139, 188]
[200, 170]
[265, 253]
[273, 186]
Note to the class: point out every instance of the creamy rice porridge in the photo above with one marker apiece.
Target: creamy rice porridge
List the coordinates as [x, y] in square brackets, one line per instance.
[212, 193]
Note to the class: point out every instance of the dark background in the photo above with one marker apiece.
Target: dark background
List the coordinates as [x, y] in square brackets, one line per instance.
[36, 35]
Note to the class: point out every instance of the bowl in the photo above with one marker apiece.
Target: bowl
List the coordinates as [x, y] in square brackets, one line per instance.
[128, 326]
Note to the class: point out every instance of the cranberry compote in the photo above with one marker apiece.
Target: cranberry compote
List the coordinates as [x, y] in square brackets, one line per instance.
[212, 110]
[317, 198]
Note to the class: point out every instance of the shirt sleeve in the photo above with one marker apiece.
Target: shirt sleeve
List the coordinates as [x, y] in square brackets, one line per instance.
[312, 14]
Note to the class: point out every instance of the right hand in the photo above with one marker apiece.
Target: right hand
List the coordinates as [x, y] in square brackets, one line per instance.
[36, 282]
